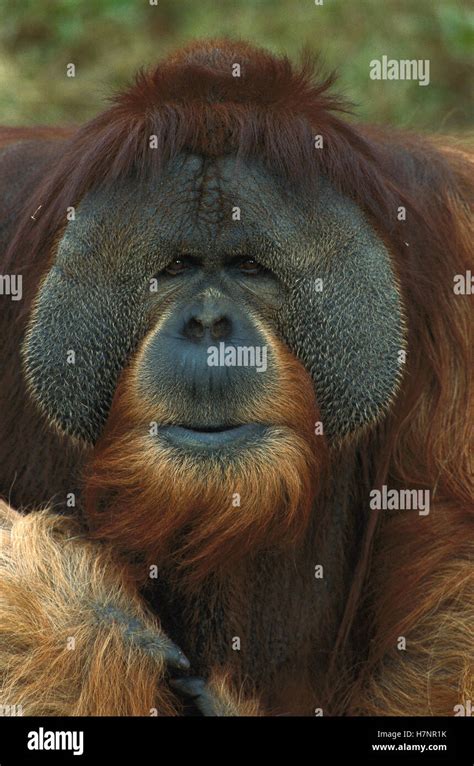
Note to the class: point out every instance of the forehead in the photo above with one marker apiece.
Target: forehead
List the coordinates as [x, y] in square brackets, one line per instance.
[217, 209]
[198, 205]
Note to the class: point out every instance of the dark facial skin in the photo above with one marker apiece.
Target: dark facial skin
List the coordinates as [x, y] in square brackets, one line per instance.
[218, 279]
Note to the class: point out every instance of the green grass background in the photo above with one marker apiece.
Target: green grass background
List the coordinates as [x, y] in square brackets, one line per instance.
[108, 40]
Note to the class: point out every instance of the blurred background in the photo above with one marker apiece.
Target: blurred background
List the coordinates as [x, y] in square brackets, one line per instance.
[108, 40]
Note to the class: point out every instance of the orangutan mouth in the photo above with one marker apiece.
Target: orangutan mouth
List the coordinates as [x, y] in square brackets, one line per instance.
[212, 437]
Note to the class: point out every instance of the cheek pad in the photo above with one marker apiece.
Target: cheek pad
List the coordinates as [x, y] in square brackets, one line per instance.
[75, 390]
[350, 334]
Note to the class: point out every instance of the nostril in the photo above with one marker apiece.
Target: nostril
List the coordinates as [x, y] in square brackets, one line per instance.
[194, 329]
[221, 328]
[216, 328]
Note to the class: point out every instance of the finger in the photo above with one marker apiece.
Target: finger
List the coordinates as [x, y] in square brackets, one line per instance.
[157, 643]
[174, 657]
[168, 651]
[197, 690]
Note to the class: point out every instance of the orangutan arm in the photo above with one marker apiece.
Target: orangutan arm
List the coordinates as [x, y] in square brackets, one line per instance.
[75, 638]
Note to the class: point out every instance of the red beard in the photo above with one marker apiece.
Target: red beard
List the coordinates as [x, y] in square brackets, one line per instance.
[199, 514]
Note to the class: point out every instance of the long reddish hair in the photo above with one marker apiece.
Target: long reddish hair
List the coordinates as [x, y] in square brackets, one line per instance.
[193, 102]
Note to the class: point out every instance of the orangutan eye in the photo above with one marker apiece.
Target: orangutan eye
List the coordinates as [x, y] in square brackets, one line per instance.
[177, 266]
[249, 266]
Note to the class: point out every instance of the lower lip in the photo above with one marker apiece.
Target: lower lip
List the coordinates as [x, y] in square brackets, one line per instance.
[188, 437]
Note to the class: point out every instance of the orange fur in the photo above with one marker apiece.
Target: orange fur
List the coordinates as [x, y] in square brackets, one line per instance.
[56, 586]
[144, 497]
[229, 700]
[422, 589]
